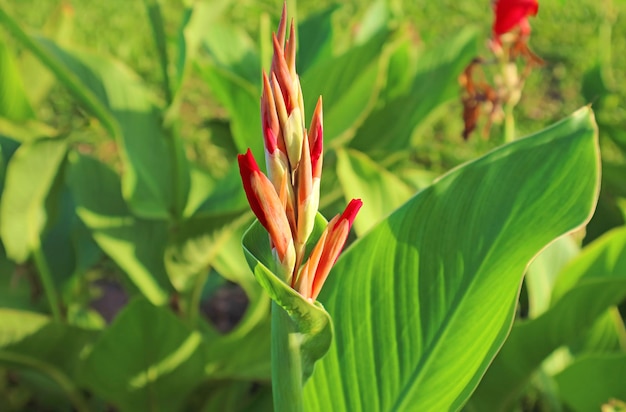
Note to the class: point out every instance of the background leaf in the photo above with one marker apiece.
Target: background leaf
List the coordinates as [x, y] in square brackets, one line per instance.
[586, 288]
[315, 36]
[421, 303]
[158, 360]
[14, 103]
[192, 249]
[31, 174]
[391, 126]
[349, 85]
[137, 245]
[242, 101]
[542, 273]
[380, 190]
[47, 351]
[593, 381]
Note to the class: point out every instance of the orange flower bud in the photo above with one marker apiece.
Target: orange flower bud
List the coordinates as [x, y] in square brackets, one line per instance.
[326, 252]
[268, 208]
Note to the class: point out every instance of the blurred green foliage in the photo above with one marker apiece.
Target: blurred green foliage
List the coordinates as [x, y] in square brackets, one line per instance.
[139, 199]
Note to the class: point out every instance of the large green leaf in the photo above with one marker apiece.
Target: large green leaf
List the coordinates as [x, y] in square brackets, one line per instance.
[61, 72]
[14, 104]
[403, 63]
[36, 336]
[58, 244]
[421, 304]
[8, 147]
[391, 126]
[137, 245]
[31, 174]
[148, 360]
[15, 292]
[375, 20]
[592, 381]
[587, 287]
[233, 73]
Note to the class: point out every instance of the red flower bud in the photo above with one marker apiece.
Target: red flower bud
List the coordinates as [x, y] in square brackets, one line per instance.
[326, 252]
[510, 14]
[268, 208]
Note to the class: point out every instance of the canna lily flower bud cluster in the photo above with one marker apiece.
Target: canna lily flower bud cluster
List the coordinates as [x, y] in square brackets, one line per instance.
[286, 201]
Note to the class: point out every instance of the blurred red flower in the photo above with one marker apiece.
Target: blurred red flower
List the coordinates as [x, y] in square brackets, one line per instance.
[510, 14]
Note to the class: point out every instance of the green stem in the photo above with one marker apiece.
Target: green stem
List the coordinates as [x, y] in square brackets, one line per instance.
[177, 158]
[156, 22]
[509, 123]
[55, 374]
[65, 77]
[47, 283]
[605, 48]
[619, 326]
[171, 125]
[286, 362]
[195, 296]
